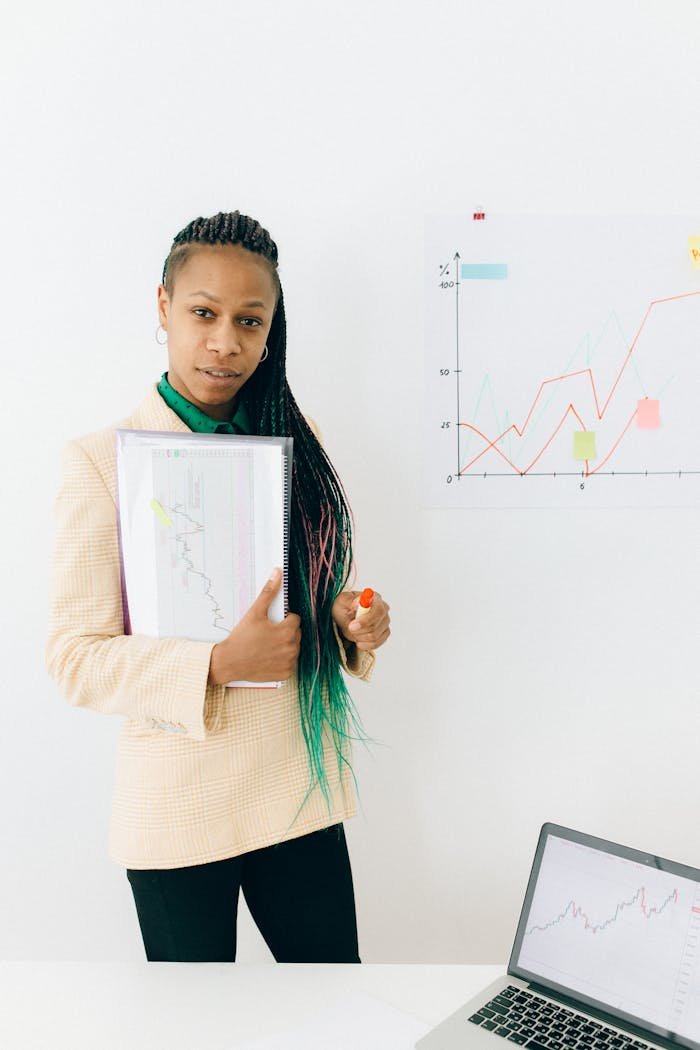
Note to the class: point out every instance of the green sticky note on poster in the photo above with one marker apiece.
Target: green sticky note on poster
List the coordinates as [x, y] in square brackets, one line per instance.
[584, 444]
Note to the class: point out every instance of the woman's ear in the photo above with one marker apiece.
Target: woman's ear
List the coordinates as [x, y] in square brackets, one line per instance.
[163, 303]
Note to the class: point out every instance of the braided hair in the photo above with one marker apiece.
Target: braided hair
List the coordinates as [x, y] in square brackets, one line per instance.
[320, 540]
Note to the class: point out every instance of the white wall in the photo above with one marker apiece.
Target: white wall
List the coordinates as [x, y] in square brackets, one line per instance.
[339, 126]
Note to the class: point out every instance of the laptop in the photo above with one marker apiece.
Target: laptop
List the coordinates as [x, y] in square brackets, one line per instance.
[606, 956]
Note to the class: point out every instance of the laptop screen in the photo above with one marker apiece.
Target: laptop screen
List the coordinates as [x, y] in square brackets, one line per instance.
[616, 929]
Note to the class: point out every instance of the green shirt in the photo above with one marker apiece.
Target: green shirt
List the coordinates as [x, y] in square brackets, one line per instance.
[198, 420]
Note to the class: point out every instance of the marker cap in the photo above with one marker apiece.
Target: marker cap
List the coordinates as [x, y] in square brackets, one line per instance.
[366, 598]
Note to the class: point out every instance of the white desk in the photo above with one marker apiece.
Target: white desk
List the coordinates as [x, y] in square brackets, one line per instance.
[224, 1006]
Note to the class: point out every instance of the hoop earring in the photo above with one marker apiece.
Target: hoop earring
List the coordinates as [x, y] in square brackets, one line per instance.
[264, 354]
[166, 336]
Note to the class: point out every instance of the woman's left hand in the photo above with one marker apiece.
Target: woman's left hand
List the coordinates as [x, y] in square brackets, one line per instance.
[371, 630]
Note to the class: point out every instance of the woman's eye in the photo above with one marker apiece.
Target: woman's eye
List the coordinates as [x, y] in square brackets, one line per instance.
[247, 322]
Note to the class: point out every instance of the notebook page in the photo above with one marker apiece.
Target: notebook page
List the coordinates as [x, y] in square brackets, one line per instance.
[202, 525]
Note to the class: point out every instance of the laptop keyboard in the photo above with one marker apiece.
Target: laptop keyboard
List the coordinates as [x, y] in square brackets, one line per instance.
[527, 1019]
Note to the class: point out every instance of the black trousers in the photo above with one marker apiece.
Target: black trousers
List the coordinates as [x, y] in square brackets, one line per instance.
[299, 893]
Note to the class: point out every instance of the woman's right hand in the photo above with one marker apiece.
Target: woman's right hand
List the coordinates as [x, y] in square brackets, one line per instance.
[258, 650]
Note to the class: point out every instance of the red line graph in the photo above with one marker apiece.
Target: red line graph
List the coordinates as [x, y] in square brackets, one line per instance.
[576, 912]
[600, 408]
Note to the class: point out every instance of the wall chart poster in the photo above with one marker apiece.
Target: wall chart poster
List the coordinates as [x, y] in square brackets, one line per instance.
[562, 361]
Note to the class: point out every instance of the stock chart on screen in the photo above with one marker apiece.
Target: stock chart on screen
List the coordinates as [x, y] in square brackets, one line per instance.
[617, 931]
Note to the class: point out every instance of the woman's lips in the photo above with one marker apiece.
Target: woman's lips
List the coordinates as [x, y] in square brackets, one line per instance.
[219, 380]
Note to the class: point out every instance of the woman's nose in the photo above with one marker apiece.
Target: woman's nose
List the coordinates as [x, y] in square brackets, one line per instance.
[225, 340]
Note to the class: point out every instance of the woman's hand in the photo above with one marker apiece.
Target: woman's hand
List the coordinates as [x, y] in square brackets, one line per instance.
[371, 630]
[258, 650]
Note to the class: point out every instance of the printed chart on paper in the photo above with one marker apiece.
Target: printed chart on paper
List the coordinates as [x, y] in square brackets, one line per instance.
[562, 361]
[204, 563]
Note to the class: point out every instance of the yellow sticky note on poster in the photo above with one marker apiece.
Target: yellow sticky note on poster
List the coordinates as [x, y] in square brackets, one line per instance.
[694, 249]
[584, 444]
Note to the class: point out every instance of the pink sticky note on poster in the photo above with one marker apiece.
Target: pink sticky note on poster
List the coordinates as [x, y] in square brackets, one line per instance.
[648, 414]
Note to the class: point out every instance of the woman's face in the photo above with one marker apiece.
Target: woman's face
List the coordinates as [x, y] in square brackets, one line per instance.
[217, 321]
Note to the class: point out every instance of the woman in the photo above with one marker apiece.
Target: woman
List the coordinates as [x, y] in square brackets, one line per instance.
[221, 788]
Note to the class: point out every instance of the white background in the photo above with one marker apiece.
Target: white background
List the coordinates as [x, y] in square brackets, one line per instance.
[543, 665]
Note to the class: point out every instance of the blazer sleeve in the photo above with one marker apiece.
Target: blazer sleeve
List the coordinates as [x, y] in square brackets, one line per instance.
[357, 662]
[159, 681]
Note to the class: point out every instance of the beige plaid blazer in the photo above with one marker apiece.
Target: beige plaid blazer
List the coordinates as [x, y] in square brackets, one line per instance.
[202, 772]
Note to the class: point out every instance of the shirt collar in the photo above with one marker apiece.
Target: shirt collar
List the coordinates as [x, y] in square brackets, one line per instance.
[196, 419]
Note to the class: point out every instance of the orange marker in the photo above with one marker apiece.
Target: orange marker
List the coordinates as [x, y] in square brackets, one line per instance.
[366, 599]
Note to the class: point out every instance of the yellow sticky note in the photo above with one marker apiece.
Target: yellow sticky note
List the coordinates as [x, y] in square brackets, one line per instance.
[584, 444]
[694, 249]
[160, 513]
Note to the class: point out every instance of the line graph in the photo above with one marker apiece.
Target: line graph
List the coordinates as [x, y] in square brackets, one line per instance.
[579, 338]
[576, 912]
[181, 538]
[611, 338]
[571, 409]
[204, 560]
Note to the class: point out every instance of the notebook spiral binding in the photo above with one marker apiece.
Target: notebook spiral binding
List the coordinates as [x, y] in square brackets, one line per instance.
[288, 452]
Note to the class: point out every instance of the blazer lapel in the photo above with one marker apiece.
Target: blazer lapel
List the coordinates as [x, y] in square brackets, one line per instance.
[154, 414]
[151, 414]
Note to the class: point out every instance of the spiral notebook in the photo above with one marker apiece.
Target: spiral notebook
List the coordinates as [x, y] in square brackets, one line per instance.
[203, 519]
